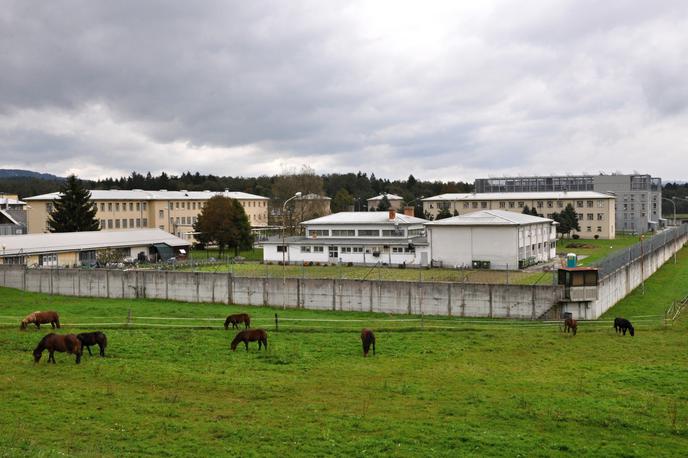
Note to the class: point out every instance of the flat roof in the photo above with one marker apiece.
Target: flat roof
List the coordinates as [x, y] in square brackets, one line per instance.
[138, 194]
[490, 218]
[551, 195]
[418, 240]
[8, 201]
[78, 241]
[353, 218]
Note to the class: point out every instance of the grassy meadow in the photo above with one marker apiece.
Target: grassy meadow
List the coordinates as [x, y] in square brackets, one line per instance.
[440, 387]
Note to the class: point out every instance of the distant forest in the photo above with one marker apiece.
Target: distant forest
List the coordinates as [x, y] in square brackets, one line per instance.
[356, 186]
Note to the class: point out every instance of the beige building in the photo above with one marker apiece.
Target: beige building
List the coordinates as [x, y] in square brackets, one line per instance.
[596, 211]
[172, 211]
[394, 201]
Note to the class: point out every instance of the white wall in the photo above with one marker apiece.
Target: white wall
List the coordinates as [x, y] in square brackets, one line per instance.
[461, 245]
[295, 256]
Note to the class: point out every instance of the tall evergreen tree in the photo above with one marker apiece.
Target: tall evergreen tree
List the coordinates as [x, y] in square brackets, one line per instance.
[384, 204]
[73, 211]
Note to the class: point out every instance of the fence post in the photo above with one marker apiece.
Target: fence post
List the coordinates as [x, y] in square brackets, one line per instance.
[128, 317]
[422, 322]
[276, 323]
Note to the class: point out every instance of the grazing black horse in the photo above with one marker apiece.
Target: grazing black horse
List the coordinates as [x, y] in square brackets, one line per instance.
[367, 339]
[92, 338]
[250, 335]
[236, 319]
[621, 325]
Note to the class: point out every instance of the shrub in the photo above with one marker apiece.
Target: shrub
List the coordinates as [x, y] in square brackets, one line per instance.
[575, 236]
[597, 236]
[350, 264]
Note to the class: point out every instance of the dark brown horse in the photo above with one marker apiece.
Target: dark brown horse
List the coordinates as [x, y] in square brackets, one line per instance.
[368, 339]
[236, 319]
[58, 342]
[570, 325]
[623, 325]
[92, 338]
[250, 335]
[39, 318]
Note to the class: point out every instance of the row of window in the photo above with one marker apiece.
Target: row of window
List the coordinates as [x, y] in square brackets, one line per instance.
[123, 223]
[115, 206]
[363, 232]
[522, 204]
[185, 220]
[334, 250]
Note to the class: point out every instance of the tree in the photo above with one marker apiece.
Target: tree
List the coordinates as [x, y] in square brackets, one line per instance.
[444, 213]
[342, 201]
[223, 222]
[526, 210]
[384, 204]
[567, 219]
[73, 211]
[287, 185]
[534, 212]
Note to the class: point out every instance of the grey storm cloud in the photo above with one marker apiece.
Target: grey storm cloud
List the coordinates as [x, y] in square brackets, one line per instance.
[446, 90]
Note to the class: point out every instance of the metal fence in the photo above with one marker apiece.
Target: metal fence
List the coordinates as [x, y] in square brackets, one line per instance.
[643, 248]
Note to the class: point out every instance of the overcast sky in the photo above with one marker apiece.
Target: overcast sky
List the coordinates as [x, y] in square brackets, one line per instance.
[444, 90]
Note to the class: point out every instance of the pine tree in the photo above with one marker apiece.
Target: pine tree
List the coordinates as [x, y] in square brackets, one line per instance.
[526, 210]
[73, 211]
[384, 204]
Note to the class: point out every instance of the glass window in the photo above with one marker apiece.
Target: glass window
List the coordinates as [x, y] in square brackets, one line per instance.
[343, 232]
[116, 206]
[318, 232]
[109, 224]
[109, 206]
[305, 249]
[368, 232]
[589, 204]
[161, 214]
[124, 223]
[138, 222]
[138, 206]
[144, 222]
[117, 223]
[345, 249]
[281, 248]
[317, 249]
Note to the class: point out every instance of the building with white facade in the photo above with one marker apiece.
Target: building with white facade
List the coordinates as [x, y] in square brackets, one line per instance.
[364, 238]
[394, 201]
[12, 215]
[491, 239]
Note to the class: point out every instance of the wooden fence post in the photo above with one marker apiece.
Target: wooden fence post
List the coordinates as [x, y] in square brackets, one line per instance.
[276, 323]
[129, 318]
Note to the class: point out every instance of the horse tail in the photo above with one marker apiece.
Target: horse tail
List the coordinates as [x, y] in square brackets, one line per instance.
[227, 323]
[104, 340]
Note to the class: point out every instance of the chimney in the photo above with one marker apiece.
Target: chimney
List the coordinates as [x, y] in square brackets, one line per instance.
[392, 214]
[409, 211]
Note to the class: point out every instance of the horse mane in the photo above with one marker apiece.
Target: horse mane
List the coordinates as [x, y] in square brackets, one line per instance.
[41, 344]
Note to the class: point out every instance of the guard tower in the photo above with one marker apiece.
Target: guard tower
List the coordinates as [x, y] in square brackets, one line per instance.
[580, 283]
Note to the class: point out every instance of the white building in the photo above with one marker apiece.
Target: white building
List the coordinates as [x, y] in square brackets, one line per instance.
[501, 238]
[394, 201]
[366, 238]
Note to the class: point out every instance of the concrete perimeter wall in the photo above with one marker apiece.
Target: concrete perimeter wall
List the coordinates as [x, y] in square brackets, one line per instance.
[429, 298]
[619, 283]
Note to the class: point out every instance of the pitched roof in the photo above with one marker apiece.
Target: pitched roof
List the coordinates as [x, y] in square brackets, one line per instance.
[138, 194]
[490, 218]
[389, 197]
[551, 195]
[75, 241]
[353, 218]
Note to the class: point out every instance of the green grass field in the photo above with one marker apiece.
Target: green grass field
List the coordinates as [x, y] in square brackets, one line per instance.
[484, 388]
[595, 249]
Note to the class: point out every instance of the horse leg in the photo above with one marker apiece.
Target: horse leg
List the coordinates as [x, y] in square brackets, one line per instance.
[51, 356]
[373, 347]
[102, 349]
[88, 347]
[38, 326]
[246, 343]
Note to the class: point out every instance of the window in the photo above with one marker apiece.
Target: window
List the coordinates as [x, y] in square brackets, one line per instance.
[138, 222]
[109, 206]
[144, 205]
[599, 228]
[144, 222]
[502, 205]
[116, 206]
[332, 252]
[540, 204]
[483, 204]
[521, 205]
[117, 223]
[466, 205]
[102, 207]
[176, 220]
[474, 204]
[590, 216]
[415, 232]
[343, 233]
[162, 228]
[600, 216]
[131, 222]
[550, 204]
[589, 204]
[161, 214]
[318, 232]
[579, 203]
[357, 249]
[560, 204]
[131, 206]
[138, 206]
[124, 223]
[589, 228]
[511, 204]
[14, 260]
[109, 224]
[345, 249]
[102, 224]
[171, 205]
[87, 257]
[317, 249]
[177, 205]
[305, 249]
[392, 232]
[281, 248]
[368, 232]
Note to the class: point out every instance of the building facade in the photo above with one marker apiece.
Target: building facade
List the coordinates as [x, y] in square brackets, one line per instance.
[596, 211]
[638, 196]
[12, 215]
[492, 239]
[171, 211]
[395, 201]
[73, 249]
[362, 238]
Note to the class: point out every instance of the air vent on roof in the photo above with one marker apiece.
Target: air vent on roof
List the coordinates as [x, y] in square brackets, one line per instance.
[163, 190]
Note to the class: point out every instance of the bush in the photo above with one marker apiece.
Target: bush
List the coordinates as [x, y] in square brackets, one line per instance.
[575, 236]
[350, 264]
[597, 236]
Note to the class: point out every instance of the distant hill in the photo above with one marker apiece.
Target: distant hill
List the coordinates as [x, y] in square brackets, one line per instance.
[17, 173]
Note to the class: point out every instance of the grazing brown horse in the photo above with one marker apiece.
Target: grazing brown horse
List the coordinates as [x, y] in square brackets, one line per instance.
[236, 319]
[58, 342]
[92, 338]
[570, 325]
[368, 339]
[39, 318]
[250, 335]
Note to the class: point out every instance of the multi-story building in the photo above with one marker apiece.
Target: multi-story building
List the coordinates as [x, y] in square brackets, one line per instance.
[595, 210]
[172, 211]
[366, 238]
[394, 201]
[12, 215]
[638, 196]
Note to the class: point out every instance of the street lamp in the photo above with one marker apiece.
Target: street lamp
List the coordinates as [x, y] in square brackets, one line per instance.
[284, 250]
[674, 204]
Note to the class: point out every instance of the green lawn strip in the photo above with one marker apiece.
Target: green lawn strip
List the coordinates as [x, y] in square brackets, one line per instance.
[597, 249]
